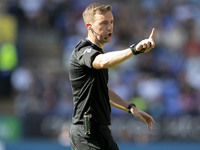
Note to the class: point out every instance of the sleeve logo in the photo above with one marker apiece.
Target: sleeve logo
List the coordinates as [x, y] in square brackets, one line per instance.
[88, 50]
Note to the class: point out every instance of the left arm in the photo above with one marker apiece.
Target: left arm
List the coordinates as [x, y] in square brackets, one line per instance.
[118, 102]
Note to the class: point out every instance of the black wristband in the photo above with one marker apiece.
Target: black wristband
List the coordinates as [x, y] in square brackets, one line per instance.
[130, 106]
[134, 51]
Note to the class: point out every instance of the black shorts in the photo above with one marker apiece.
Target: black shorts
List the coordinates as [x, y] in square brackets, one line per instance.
[99, 139]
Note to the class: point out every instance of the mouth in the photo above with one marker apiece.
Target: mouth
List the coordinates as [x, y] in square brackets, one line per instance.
[109, 35]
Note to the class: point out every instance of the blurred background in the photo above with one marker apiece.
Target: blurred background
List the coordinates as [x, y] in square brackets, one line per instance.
[36, 40]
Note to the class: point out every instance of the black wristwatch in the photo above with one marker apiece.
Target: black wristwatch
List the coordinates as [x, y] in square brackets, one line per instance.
[130, 106]
[134, 51]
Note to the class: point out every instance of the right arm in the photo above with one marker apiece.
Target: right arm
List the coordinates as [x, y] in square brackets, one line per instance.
[111, 59]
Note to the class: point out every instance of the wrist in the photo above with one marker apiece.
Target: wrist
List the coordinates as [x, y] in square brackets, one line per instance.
[134, 51]
[130, 106]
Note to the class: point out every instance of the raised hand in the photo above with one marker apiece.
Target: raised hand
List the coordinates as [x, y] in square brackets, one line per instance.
[147, 44]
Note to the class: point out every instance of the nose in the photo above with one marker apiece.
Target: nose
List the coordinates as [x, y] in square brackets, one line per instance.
[110, 27]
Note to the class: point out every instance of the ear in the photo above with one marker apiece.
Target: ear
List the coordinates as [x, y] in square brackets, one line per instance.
[88, 25]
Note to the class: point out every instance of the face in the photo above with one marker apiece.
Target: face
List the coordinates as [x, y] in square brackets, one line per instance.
[103, 26]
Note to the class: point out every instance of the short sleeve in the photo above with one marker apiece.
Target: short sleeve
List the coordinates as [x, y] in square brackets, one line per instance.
[87, 55]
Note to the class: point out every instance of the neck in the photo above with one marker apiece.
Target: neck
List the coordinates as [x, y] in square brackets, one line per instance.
[95, 41]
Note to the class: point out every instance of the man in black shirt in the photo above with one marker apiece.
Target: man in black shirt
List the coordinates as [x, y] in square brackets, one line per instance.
[88, 73]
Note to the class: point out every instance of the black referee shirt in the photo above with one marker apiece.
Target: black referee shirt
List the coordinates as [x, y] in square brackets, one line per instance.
[89, 85]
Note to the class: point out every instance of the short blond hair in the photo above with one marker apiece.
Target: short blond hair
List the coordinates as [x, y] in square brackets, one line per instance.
[92, 9]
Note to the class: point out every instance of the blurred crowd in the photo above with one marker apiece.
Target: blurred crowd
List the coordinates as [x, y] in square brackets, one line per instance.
[163, 82]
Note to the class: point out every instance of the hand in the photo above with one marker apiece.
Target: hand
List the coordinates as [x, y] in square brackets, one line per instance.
[143, 116]
[146, 44]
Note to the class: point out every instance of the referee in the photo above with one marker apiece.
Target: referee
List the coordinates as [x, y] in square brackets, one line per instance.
[89, 78]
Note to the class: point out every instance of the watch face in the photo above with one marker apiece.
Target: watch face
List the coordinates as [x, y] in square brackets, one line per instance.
[130, 105]
[132, 46]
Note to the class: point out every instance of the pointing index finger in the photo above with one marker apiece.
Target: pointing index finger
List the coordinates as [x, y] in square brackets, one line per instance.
[152, 33]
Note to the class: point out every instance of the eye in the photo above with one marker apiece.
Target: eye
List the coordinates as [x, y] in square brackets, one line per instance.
[105, 22]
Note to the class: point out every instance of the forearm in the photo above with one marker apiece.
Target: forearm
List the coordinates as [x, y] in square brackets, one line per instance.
[111, 59]
[117, 101]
